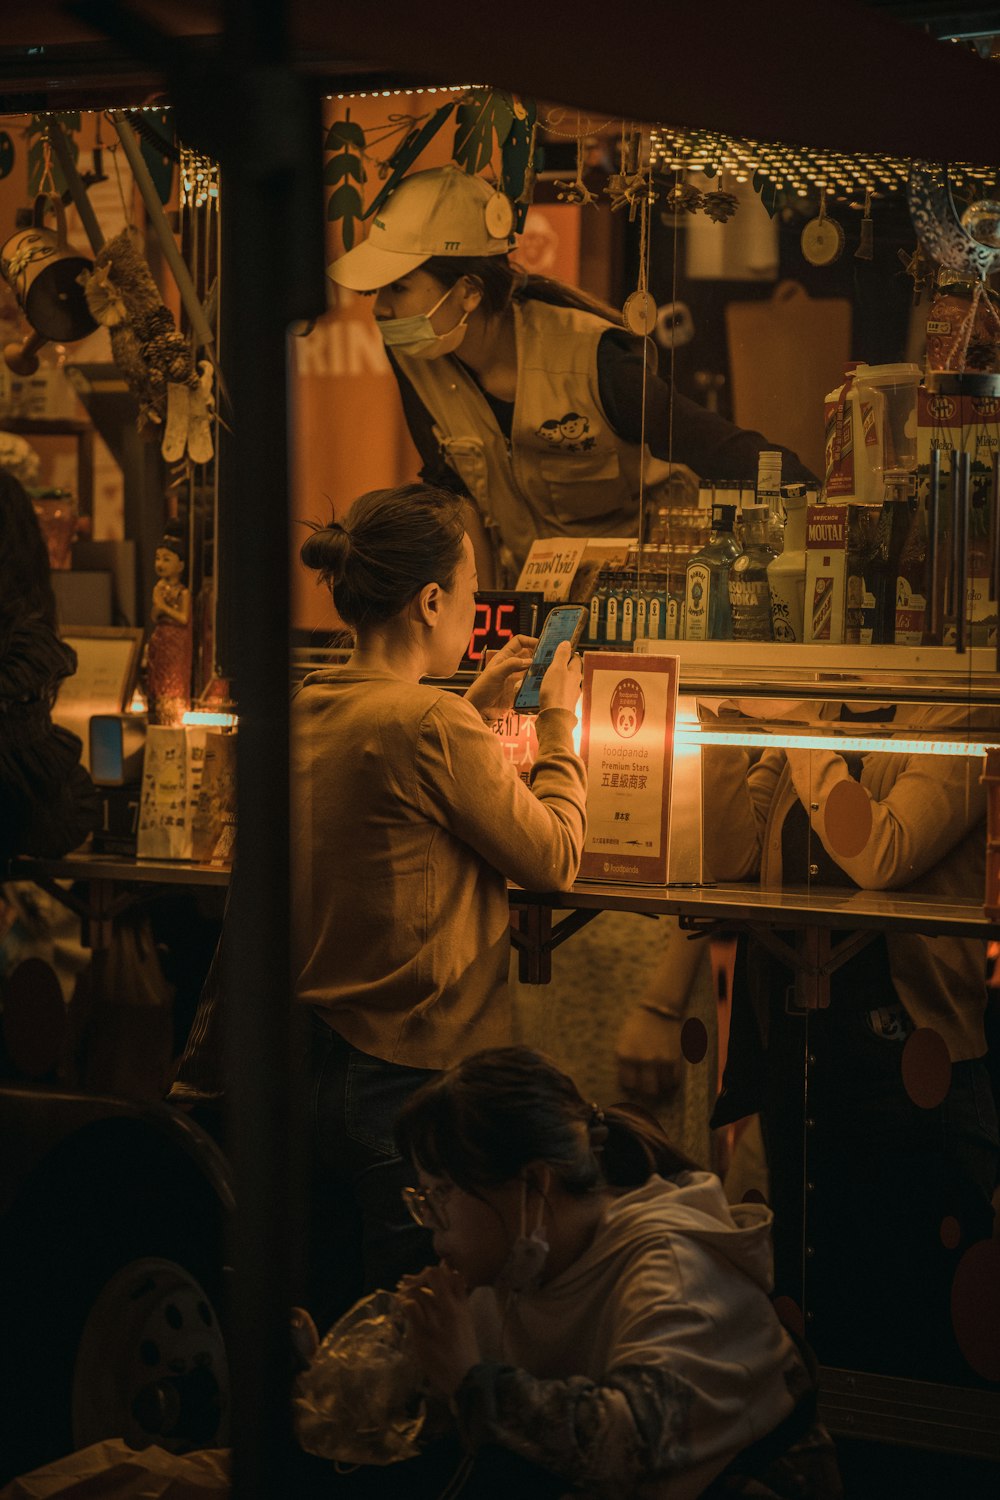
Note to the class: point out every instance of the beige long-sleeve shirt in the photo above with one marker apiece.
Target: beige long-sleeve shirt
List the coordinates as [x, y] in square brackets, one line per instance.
[927, 835]
[408, 823]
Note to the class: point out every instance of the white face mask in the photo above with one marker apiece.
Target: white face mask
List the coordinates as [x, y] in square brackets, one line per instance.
[415, 336]
[527, 1255]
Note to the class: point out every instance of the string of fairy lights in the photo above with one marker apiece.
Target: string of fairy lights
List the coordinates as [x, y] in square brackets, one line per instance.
[797, 170]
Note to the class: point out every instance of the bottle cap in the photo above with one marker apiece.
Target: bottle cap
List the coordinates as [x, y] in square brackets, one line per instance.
[723, 517]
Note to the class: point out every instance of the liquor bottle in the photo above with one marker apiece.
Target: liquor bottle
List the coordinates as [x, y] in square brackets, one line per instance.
[786, 575]
[866, 573]
[749, 594]
[911, 577]
[612, 609]
[706, 601]
[769, 493]
[893, 527]
[626, 618]
[642, 607]
[598, 603]
[656, 608]
[674, 626]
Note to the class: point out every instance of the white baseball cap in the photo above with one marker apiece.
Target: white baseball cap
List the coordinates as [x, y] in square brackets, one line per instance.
[441, 211]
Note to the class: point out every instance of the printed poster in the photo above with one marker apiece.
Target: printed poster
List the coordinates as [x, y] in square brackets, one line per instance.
[629, 711]
[551, 565]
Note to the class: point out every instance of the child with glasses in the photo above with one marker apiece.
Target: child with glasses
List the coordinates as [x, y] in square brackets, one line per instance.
[599, 1322]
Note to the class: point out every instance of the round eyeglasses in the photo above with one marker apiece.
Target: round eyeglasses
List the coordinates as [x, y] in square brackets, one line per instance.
[426, 1206]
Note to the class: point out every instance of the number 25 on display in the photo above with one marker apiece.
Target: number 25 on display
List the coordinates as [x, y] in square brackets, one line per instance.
[495, 625]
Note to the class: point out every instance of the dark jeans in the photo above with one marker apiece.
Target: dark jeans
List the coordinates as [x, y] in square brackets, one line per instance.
[875, 1199]
[361, 1236]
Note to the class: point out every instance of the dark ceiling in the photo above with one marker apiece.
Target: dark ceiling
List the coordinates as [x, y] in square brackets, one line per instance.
[832, 73]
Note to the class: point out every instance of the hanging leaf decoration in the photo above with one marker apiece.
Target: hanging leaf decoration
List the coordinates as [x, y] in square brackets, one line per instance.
[769, 194]
[346, 140]
[482, 114]
[36, 134]
[405, 154]
[345, 132]
[515, 159]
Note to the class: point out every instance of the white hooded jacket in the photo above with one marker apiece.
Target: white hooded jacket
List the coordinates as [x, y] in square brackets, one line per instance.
[652, 1360]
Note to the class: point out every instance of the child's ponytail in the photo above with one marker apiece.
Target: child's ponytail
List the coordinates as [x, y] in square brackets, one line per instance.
[637, 1146]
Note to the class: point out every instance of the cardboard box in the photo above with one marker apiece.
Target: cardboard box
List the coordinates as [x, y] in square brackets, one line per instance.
[826, 573]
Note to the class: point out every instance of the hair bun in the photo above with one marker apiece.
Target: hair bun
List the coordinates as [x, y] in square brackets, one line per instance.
[327, 550]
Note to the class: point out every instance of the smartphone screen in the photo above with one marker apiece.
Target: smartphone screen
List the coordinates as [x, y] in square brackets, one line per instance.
[562, 624]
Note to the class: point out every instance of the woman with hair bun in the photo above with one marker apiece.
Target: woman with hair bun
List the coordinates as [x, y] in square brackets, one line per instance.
[409, 822]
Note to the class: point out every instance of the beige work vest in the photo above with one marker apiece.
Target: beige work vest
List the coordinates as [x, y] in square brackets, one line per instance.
[565, 472]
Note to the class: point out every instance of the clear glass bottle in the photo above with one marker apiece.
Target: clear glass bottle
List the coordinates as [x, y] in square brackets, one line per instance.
[706, 601]
[749, 594]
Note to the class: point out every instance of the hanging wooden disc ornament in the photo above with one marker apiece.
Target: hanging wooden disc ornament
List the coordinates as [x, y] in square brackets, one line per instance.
[822, 241]
[499, 214]
[639, 312]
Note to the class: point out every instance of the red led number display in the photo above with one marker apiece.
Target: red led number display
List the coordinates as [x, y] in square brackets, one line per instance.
[493, 628]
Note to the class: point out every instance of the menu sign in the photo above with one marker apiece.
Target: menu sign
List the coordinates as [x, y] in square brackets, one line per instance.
[629, 710]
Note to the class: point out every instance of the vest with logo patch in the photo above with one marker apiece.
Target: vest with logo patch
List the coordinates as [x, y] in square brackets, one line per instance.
[565, 471]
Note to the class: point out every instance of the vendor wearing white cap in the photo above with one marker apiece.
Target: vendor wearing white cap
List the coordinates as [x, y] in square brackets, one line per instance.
[518, 391]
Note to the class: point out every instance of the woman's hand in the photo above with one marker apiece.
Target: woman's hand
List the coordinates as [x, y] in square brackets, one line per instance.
[439, 1319]
[561, 684]
[492, 693]
[648, 1052]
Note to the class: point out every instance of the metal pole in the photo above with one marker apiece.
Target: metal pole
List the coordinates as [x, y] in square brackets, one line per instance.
[272, 272]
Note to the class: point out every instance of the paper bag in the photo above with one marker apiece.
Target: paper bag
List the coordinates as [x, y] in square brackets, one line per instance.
[214, 825]
[114, 1471]
[171, 781]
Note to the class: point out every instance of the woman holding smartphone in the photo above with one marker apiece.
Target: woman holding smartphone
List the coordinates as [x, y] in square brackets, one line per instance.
[409, 822]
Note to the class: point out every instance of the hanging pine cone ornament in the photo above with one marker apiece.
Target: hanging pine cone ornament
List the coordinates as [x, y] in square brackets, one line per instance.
[720, 206]
[682, 199]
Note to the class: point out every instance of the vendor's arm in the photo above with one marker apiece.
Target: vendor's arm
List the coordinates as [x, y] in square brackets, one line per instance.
[736, 800]
[931, 806]
[533, 835]
[697, 437]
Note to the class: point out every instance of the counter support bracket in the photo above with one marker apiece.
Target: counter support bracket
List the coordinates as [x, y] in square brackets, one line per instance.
[534, 937]
[812, 956]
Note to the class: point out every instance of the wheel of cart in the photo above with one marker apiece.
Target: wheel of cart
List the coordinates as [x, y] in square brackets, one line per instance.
[111, 1279]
